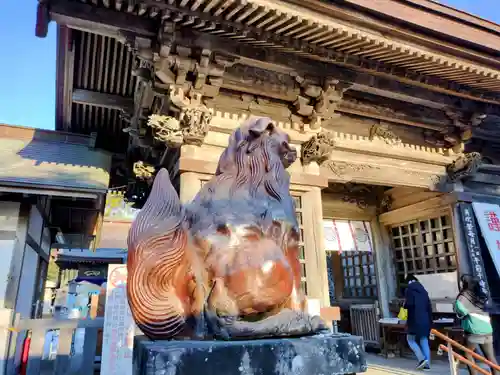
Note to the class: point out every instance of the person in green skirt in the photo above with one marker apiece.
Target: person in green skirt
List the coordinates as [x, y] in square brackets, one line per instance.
[470, 307]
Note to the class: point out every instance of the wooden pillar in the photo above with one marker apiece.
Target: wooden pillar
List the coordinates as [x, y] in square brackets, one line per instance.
[14, 228]
[316, 271]
[386, 278]
[11, 296]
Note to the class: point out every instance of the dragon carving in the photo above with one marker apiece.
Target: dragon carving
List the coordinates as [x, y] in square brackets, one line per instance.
[226, 265]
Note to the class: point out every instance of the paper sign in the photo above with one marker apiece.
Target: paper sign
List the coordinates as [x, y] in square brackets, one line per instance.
[119, 325]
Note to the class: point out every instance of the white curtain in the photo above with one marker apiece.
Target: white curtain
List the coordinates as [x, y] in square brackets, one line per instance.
[347, 235]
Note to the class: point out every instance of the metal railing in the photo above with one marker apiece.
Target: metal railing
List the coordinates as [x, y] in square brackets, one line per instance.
[453, 357]
[39, 361]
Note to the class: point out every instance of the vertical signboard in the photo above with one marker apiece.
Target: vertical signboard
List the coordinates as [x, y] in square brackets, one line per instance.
[118, 325]
[472, 239]
[488, 217]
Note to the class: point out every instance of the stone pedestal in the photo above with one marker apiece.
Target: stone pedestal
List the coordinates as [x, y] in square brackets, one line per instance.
[325, 354]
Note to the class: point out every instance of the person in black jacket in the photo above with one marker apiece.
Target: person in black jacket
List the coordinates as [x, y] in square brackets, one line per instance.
[419, 323]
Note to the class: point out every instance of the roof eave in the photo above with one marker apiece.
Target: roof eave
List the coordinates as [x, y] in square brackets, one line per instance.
[42, 189]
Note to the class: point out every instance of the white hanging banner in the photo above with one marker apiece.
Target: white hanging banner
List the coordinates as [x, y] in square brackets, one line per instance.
[346, 235]
[119, 326]
[488, 217]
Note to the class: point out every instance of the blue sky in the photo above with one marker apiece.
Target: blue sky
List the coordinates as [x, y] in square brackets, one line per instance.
[27, 66]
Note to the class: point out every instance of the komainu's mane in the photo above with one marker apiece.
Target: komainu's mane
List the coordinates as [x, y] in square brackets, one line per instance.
[251, 174]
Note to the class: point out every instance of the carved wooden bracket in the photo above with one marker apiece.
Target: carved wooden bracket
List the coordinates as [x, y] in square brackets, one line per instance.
[318, 148]
[174, 81]
[318, 103]
[460, 131]
[466, 165]
[192, 71]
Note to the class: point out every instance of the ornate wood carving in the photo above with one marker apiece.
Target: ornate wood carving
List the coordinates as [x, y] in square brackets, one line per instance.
[190, 70]
[166, 129]
[385, 204]
[143, 170]
[460, 130]
[317, 103]
[191, 127]
[194, 123]
[341, 168]
[466, 165]
[318, 148]
[382, 131]
[361, 195]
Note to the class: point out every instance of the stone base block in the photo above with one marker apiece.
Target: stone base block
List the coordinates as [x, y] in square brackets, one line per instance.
[324, 354]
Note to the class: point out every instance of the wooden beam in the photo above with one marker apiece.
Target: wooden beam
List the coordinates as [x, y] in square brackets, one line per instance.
[391, 87]
[99, 99]
[42, 20]
[119, 25]
[104, 22]
[417, 210]
[471, 197]
[64, 77]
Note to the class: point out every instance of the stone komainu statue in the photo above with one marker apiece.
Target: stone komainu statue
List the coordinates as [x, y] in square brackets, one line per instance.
[225, 266]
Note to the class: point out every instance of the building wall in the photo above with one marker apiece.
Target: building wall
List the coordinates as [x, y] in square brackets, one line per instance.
[23, 223]
[420, 232]
[336, 208]
[13, 228]
[24, 305]
[9, 217]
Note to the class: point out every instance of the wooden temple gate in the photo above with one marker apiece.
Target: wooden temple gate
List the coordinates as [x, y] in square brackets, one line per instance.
[394, 108]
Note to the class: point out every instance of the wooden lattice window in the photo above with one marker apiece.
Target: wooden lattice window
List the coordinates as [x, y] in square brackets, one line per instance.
[424, 246]
[360, 279]
[302, 256]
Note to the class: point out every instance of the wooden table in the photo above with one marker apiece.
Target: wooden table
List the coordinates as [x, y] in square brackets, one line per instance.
[398, 331]
[393, 329]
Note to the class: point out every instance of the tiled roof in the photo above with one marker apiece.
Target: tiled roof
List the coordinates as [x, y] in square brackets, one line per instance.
[41, 158]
